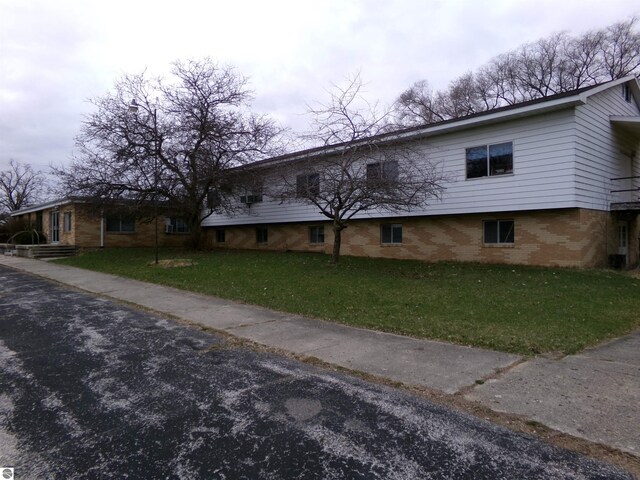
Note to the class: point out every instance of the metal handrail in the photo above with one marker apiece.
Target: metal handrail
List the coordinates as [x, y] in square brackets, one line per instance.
[9, 241]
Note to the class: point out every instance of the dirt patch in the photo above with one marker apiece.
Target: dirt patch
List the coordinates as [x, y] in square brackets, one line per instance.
[174, 262]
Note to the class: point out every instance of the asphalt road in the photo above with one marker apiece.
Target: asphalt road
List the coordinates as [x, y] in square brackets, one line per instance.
[93, 389]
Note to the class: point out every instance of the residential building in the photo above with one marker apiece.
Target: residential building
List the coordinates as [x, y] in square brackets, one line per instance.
[76, 222]
[554, 182]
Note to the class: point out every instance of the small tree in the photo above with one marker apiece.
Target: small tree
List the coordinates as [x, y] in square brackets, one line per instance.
[20, 186]
[173, 143]
[364, 167]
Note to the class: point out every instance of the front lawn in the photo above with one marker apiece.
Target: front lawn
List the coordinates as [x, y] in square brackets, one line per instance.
[525, 310]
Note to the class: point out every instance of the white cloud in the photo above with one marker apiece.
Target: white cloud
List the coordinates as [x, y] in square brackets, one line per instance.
[55, 55]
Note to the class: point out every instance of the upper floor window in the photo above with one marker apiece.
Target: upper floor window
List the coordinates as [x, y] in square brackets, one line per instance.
[307, 185]
[119, 224]
[382, 171]
[176, 225]
[626, 92]
[253, 194]
[490, 160]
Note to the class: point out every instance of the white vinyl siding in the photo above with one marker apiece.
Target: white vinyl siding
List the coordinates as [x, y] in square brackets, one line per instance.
[602, 152]
[561, 159]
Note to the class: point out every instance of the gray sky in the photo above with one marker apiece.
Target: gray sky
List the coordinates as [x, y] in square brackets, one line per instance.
[54, 55]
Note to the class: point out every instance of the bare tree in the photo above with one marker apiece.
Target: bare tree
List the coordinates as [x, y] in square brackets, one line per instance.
[620, 49]
[552, 65]
[171, 142]
[20, 186]
[418, 104]
[363, 167]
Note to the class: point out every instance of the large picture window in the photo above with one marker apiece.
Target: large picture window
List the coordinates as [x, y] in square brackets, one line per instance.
[176, 225]
[498, 232]
[119, 224]
[490, 160]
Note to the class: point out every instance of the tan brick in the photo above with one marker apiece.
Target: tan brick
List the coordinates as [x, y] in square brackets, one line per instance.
[563, 237]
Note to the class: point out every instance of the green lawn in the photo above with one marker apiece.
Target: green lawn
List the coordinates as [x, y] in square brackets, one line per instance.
[525, 310]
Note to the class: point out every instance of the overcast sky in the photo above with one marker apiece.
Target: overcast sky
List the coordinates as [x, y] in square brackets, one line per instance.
[55, 54]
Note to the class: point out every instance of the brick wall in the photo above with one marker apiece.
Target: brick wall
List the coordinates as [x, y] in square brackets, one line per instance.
[85, 230]
[567, 237]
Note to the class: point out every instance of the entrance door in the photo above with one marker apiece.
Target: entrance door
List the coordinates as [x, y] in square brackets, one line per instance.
[55, 226]
[623, 240]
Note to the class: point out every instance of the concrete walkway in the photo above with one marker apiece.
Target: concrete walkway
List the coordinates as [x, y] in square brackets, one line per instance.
[595, 395]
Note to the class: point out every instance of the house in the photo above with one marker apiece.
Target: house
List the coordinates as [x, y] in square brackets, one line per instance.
[553, 182]
[76, 222]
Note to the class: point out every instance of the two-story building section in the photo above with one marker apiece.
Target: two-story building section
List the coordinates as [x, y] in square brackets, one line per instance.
[555, 181]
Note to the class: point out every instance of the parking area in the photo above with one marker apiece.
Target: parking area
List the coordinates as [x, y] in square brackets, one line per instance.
[90, 388]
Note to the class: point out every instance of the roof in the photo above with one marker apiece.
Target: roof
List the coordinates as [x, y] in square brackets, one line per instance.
[44, 206]
[524, 109]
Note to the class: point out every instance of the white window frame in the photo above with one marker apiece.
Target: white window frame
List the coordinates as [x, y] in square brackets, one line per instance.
[67, 223]
[393, 227]
[497, 232]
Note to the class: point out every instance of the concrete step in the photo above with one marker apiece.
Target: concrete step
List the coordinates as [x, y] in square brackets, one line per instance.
[49, 251]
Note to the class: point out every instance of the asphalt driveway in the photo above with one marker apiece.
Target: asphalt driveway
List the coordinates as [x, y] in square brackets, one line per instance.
[90, 388]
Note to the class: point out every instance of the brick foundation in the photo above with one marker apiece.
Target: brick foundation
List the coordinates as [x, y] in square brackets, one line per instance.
[567, 238]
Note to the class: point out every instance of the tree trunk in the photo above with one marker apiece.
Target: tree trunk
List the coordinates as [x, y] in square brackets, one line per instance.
[337, 241]
[196, 234]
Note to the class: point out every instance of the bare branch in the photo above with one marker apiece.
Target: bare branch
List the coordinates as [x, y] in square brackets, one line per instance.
[20, 186]
[186, 136]
[365, 171]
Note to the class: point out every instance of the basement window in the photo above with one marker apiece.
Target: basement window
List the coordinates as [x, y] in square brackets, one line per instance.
[262, 236]
[316, 234]
[498, 232]
[391, 234]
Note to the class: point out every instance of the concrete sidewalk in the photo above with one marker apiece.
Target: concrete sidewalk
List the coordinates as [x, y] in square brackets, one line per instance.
[595, 395]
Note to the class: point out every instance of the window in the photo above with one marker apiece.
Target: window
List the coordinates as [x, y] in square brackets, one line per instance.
[382, 171]
[220, 235]
[316, 234]
[213, 199]
[307, 185]
[252, 195]
[490, 160]
[262, 235]
[626, 92]
[176, 225]
[498, 231]
[391, 233]
[39, 223]
[66, 222]
[120, 225]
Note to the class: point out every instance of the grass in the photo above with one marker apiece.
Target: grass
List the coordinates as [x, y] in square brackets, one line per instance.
[524, 310]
